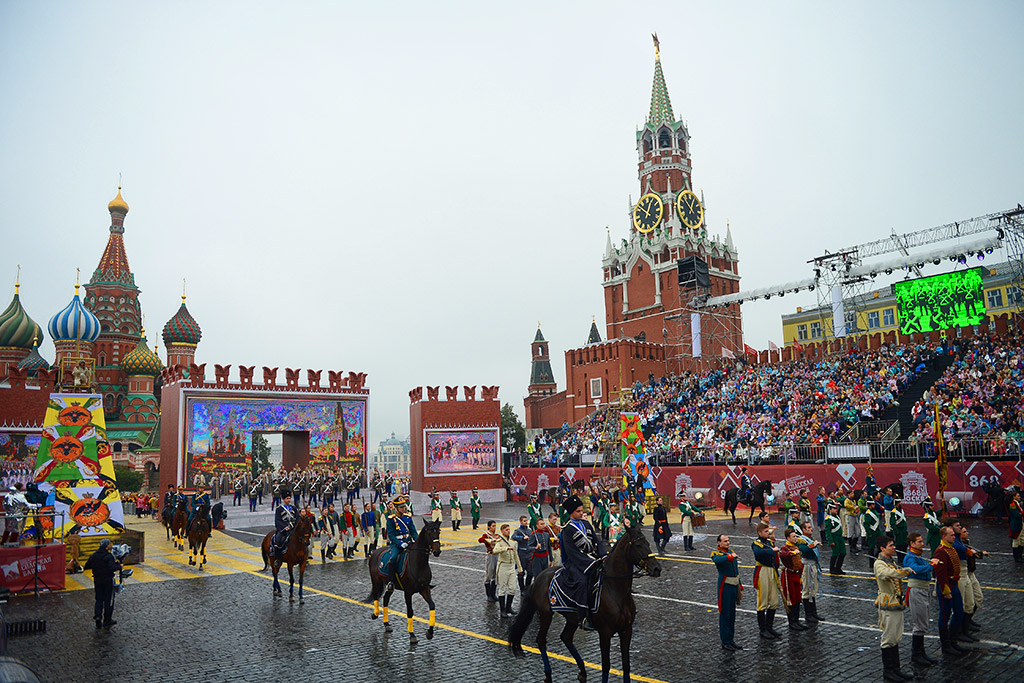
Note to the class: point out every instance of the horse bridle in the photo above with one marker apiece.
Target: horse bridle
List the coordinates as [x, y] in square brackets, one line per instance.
[642, 564]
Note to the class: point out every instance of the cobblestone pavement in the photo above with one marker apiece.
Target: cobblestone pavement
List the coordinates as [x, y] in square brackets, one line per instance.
[224, 625]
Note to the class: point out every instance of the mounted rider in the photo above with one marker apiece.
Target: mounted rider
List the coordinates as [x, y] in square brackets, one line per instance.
[285, 517]
[401, 532]
[170, 501]
[582, 550]
[745, 489]
[200, 498]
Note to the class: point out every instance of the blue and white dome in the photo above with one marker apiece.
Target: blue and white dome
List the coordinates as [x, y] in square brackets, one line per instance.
[74, 323]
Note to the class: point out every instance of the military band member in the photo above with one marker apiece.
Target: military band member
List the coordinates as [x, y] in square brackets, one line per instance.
[540, 551]
[328, 524]
[662, 531]
[792, 576]
[794, 520]
[931, 524]
[508, 568]
[951, 605]
[456, 506]
[254, 494]
[1016, 527]
[368, 524]
[898, 524]
[919, 593]
[822, 502]
[836, 542]
[489, 537]
[805, 507]
[890, 607]
[853, 526]
[435, 507]
[873, 527]
[534, 511]
[475, 507]
[236, 486]
[730, 590]
[555, 530]
[521, 537]
[686, 512]
[766, 580]
[809, 582]
[971, 597]
[615, 526]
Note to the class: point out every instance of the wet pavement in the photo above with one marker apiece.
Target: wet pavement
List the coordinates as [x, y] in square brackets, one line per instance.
[175, 623]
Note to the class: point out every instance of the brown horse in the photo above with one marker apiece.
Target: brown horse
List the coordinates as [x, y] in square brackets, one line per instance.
[414, 579]
[615, 613]
[179, 524]
[297, 553]
[198, 535]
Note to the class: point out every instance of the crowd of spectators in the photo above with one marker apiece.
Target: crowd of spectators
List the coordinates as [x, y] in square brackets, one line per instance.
[759, 412]
[980, 397]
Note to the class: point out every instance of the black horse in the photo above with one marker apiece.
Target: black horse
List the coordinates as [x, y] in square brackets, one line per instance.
[757, 496]
[414, 579]
[616, 610]
[998, 502]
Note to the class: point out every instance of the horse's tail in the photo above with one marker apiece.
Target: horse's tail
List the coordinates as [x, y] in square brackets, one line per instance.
[522, 622]
[725, 499]
[266, 556]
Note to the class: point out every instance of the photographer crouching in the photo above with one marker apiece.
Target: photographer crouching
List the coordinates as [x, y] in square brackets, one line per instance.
[104, 566]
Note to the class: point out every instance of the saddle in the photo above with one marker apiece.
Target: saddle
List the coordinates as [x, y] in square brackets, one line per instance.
[391, 574]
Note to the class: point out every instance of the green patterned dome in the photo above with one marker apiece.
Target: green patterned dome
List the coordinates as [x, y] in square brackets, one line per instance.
[182, 328]
[16, 328]
[33, 362]
[142, 361]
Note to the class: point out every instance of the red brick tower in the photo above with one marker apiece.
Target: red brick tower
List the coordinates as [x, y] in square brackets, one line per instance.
[113, 297]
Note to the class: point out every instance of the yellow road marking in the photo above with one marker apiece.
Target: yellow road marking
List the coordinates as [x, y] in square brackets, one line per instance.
[474, 634]
[173, 570]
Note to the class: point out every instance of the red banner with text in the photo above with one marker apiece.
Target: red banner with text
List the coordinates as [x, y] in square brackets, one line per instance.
[18, 567]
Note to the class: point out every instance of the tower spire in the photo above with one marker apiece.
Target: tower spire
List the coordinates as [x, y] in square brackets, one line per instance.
[661, 105]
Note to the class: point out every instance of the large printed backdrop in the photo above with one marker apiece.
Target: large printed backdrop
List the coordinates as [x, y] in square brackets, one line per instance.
[75, 463]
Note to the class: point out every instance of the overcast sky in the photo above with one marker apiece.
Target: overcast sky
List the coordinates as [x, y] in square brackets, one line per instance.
[407, 188]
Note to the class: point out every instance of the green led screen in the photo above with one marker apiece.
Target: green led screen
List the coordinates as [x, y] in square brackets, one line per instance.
[940, 302]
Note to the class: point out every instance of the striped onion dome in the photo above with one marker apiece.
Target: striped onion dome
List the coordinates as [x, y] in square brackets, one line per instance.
[75, 322]
[33, 362]
[141, 360]
[182, 328]
[17, 330]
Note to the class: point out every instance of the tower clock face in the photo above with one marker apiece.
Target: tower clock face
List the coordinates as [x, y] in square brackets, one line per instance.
[689, 209]
[648, 212]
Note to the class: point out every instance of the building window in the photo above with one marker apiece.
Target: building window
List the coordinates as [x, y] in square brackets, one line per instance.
[1013, 296]
[889, 317]
[872, 320]
[816, 330]
[595, 387]
[801, 332]
[995, 298]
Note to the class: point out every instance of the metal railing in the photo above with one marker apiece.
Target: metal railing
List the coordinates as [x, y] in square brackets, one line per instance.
[886, 449]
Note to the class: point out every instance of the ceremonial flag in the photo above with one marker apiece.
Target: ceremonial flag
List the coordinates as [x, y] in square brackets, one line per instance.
[797, 346]
[750, 350]
[941, 461]
[726, 353]
[772, 346]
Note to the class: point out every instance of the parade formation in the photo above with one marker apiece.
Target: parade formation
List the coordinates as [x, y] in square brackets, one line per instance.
[878, 452]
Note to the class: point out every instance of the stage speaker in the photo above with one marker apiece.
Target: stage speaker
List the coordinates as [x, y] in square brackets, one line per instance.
[693, 272]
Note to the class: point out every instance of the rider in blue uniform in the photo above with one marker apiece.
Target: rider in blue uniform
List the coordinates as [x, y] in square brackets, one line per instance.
[200, 498]
[870, 487]
[284, 520]
[581, 549]
[744, 485]
[401, 532]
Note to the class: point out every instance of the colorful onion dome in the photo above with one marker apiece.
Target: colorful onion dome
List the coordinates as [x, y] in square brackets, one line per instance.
[16, 328]
[75, 322]
[118, 204]
[33, 362]
[141, 360]
[182, 328]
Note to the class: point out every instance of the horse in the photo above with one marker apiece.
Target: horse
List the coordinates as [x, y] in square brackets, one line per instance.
[414, 579]
[198, 535]
[167, 518]
[615, 613]
[757, 495]
[296, 553]
[998, 502]
[179, 524]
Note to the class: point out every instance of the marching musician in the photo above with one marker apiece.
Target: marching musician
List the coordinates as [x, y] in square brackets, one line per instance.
[890, 607]
[766, 580]
[491, 565]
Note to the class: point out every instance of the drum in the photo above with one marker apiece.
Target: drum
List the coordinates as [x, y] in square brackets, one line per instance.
[699, 520]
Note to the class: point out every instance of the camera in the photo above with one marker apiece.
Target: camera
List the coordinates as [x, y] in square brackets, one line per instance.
[121, 551]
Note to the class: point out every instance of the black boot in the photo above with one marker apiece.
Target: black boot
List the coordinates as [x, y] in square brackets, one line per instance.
[323, 555]
[1018, 554]
[918, 655]
[503, 613]
[769, 623]
[896, 664]
[891, 665]
[508, 605]
[762, 619]
[849, 544]
[492, 592]
[970, 623]
[794, 618]
[454, 528]
[811, 618]
[822, 534]
[814, 607]
[839, 565]
[960, 633]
